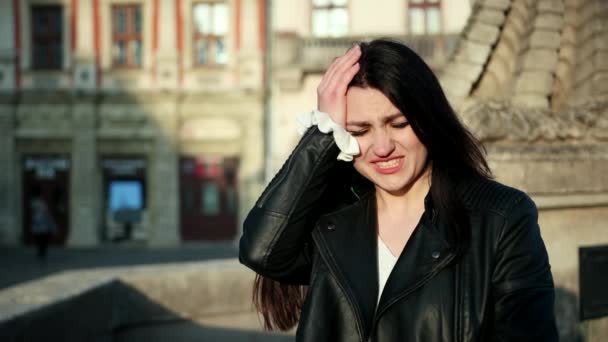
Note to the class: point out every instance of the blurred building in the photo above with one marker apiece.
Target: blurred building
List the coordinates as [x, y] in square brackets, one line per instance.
[309, 34]
[138, 119]
[145, 119]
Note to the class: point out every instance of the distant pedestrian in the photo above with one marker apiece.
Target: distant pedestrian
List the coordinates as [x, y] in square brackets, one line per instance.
[43, 225]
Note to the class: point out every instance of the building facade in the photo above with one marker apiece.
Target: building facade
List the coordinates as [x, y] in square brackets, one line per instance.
[158, 120]
[135, 119]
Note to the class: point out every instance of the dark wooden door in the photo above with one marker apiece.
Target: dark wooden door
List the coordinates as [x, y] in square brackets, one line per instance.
[208, 198]
[50, 177]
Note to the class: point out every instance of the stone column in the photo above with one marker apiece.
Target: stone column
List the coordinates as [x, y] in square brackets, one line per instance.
[250, 57]
[85, 75]
[9, 230]
[167, 55]
[164, 199]
[84, 190]
[7, 46]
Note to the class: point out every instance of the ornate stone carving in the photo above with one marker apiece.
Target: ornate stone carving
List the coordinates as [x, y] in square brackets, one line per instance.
[500, 120]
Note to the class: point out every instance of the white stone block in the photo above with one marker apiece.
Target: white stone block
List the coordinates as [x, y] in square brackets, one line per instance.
[601, 60]
[531, 101]
[568, 35]
[536, 82]
[465, 70]
[483, 33]
[496, 4]
[455, 87]
[552, 6]
[600, 83]
[490, 16]
[540, 59]
[473, 52]
[545, 39]
[601, 40]
[550, 21]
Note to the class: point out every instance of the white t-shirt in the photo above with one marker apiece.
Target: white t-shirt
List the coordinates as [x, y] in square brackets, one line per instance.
[386, 262]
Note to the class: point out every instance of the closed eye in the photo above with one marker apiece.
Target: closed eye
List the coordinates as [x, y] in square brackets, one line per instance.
[401, 125]
[358, 133]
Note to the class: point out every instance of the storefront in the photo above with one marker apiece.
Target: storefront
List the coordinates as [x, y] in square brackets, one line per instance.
[47, 177]
[208, 198]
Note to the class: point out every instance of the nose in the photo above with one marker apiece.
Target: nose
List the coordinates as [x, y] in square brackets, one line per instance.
[383, 143]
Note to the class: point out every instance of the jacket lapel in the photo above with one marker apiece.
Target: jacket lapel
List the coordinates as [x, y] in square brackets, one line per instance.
[425, 254]
[347, 240]
[348, 243]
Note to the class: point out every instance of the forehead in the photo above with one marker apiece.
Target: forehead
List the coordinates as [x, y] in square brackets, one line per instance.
[367, 104]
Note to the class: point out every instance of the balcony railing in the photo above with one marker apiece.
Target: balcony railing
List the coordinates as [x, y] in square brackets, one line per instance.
[315, 54]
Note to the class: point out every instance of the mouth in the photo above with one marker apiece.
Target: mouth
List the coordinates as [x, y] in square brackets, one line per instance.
[388, 166]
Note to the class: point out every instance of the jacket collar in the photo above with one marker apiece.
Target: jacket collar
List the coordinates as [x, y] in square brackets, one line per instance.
[348, 243]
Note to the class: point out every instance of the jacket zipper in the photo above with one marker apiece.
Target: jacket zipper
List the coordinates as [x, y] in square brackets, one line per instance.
[406, 293]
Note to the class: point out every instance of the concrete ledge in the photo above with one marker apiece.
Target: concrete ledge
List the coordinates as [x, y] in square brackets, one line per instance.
[90, 305]
[571, 201]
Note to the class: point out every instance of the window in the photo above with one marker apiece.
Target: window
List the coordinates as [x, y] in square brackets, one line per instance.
[126, 36]
[210, 21]
[425, 16]
[210, 199]
[126, 200]
[47, 37]
[329, 18]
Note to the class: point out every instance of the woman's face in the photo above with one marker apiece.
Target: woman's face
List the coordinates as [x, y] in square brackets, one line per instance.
[391, 155]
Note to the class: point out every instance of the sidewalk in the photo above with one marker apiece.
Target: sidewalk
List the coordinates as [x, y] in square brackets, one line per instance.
[19, 264]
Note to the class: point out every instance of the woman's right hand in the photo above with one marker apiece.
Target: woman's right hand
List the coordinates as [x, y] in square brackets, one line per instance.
[331, 92]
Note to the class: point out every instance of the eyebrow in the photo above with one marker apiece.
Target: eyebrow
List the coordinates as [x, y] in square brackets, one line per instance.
[367, 123]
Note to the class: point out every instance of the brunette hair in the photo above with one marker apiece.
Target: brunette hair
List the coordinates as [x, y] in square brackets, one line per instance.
[455, 156]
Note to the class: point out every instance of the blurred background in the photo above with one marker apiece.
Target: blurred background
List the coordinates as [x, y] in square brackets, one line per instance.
[136, 134]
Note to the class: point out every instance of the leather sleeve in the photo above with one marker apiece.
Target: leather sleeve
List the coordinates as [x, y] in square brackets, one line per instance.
[523, 290]
[277, 231]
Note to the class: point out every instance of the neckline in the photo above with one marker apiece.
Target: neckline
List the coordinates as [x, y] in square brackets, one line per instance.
[384, 247]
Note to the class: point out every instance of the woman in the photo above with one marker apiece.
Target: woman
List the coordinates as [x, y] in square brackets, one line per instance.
[423, 247]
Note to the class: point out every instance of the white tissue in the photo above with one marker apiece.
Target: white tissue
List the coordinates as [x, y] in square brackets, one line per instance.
[346, 143]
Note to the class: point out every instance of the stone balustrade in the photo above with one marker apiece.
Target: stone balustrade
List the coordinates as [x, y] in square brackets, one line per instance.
[314, 54]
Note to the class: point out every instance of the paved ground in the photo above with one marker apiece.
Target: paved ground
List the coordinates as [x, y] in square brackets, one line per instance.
[19, 264]
[193, 332]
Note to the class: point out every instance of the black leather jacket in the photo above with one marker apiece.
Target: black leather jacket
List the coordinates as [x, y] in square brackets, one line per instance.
[304, 230]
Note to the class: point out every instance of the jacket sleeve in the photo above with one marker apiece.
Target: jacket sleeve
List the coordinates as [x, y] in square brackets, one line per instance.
[523, 290]
[277, 231]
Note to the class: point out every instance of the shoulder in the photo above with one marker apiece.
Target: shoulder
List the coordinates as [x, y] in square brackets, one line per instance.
[490, 195]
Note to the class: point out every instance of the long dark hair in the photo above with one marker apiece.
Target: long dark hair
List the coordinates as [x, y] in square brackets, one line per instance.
[455, 156]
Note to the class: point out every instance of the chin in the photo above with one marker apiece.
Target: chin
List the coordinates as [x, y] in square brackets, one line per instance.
[391, 187]
[395, 183]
